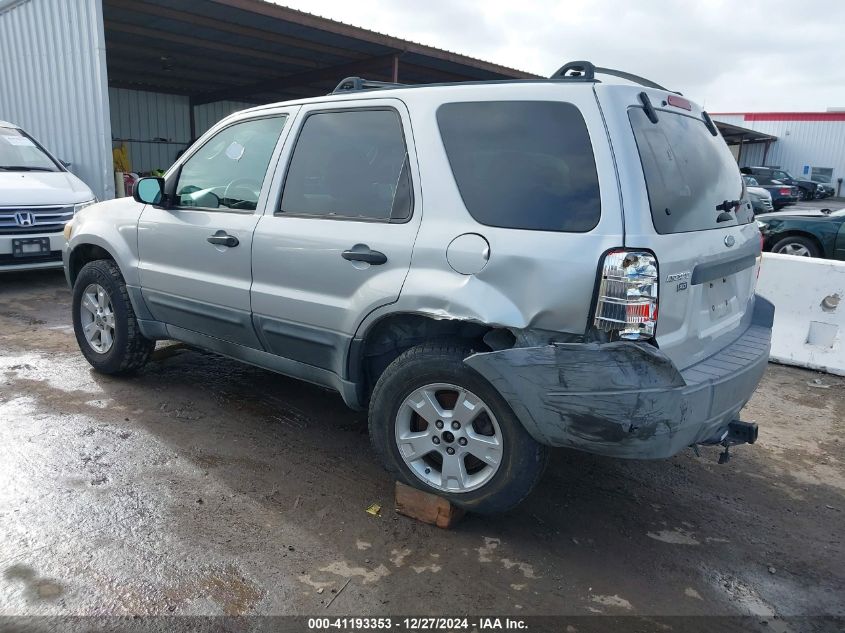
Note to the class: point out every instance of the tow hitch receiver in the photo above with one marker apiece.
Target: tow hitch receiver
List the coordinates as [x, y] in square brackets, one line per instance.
[739, 432]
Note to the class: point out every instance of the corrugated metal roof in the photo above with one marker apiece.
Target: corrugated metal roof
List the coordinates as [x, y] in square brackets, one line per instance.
[256, 51]
[785, 116]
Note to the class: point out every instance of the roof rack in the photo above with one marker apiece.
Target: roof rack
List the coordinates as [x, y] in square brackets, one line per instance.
[586, 71]
[354, 84]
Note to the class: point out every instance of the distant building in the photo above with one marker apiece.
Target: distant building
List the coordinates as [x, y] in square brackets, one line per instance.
[806, 144]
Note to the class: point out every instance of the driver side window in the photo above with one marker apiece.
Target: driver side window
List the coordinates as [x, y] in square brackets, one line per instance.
[228, 170]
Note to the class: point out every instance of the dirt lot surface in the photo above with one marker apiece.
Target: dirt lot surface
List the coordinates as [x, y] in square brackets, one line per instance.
[204, 486]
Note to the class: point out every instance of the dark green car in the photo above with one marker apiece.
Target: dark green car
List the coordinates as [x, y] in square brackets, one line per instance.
[807, 234]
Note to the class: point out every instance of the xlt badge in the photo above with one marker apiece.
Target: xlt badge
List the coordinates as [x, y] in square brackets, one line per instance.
[678, 276]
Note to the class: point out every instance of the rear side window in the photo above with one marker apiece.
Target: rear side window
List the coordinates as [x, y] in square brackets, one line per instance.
[688, 172]
[522, 164]
[350, 164]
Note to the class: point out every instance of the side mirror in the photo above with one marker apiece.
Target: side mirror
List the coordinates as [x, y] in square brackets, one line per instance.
[149, 190]
[65, 164]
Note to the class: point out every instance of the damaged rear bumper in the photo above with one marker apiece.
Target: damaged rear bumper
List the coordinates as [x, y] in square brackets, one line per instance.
[626, 399]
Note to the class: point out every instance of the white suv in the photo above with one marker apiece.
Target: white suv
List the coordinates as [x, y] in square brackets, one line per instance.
[38, 196]
[492, 268]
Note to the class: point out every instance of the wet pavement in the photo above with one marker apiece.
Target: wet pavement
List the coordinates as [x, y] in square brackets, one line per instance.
[204, 486]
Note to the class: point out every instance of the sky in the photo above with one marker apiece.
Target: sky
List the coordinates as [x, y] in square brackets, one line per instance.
[740, 56]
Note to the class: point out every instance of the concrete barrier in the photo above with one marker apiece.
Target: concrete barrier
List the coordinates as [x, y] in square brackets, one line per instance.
[809, 320]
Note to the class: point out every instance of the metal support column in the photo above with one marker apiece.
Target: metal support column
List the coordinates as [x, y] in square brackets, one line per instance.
[395, 78]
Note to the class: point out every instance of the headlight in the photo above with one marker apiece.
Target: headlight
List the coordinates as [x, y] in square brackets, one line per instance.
[68, 231]
[78, 207]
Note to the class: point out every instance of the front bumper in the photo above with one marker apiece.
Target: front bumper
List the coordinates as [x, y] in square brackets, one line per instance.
[10, 263]
[626, 399]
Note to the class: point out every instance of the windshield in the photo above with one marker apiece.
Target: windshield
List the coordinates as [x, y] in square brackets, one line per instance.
[690, 174]
[19, 152]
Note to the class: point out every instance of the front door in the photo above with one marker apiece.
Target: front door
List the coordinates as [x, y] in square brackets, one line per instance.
[195, 266]
[338, 243]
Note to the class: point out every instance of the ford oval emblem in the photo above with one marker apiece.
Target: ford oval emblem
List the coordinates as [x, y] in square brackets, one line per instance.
[729, 240]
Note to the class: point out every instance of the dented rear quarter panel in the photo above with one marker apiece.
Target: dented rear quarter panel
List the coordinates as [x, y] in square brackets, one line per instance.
[533, 279]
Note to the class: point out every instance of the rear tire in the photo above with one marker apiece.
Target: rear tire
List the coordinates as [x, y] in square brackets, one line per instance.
[493, 464]
[104, 321]
[797, 245]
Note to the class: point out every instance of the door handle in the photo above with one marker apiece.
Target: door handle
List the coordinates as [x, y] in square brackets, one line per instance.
[221, 238]
[363, 253]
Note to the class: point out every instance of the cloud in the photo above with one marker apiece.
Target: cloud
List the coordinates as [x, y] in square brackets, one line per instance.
[730, 56]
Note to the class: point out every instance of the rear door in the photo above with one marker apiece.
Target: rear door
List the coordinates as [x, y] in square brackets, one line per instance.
[684, 200]
[336, 241]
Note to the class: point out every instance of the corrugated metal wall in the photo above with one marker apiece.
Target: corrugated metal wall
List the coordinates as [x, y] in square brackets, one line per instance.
[53, 82]
[208, 114]
[155, 127]
[800, 143]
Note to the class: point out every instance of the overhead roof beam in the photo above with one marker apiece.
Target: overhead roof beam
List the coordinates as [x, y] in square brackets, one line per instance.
[137, 66]
[276, 11]
[230, 27]
[129, 56]
[337, 72]
[156, 34]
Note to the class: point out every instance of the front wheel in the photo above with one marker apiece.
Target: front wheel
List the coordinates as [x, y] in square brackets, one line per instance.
[440, 426]
[104, 321]
[797, 245]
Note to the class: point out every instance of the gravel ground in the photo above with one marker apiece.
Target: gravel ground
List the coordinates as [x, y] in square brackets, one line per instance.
[203, 486]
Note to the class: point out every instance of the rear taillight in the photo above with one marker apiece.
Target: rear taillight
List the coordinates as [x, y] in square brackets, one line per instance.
[786, 191]
[627, 295]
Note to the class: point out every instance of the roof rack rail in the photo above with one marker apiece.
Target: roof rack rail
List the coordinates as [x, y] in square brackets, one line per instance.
[586, 71]
[354, 84]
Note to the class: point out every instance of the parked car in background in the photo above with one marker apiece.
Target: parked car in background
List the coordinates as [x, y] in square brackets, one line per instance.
[781, 195]
[825, 190]
[806, 234]
[38, 196]
[807, 189]
[759, 197]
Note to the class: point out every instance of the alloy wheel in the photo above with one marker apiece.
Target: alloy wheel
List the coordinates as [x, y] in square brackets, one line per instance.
[449, 438]
[794, 248]
[97, 318]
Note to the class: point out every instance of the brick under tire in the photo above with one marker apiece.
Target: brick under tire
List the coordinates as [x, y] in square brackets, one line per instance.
[521, 458]
[129, 349]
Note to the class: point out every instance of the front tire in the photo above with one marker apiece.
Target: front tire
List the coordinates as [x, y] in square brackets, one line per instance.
[439, 426]
[104, 321]
[797, 245]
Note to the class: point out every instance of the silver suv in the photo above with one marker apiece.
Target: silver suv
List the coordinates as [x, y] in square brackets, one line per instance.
[491, 268]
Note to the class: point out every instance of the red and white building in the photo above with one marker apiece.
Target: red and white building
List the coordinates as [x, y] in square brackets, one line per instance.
[806, 144]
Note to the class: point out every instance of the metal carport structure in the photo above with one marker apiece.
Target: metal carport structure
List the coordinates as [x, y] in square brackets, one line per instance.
[86, 75]
[738, 137]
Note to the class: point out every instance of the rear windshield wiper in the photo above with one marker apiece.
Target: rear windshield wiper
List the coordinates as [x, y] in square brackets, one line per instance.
[24, 168]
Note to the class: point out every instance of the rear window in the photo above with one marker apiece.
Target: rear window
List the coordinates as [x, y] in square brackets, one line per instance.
[688, 171]
[522, 164]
